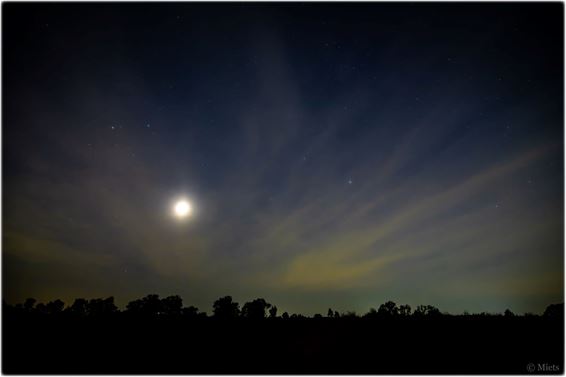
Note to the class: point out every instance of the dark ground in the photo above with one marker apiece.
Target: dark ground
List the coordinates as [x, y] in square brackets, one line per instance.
[448, 344]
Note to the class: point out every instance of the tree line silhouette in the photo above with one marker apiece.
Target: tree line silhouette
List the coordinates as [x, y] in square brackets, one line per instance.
[161, 335]
[226, 308]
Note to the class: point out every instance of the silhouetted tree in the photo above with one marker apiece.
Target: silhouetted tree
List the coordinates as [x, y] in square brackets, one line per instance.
[150, 305]
[190, 311]
[404, 310]
[350, 314]
[371, 314]
[426, 311]
[202, 315]
[388, 309]
[28, 304]
[135, 307]
[273, 312]
[41, 308]
[554, 311]
[172, 305]
[255, 309]
[100, 307]
[79, 307]
[54, 307]
[225, 308]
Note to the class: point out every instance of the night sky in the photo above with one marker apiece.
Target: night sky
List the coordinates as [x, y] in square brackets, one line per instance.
[336, 155]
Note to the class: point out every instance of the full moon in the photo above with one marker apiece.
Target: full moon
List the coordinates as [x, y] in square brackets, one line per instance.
[182, 208]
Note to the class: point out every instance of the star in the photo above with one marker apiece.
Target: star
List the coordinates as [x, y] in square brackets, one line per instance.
[148, 125]
[350, 181]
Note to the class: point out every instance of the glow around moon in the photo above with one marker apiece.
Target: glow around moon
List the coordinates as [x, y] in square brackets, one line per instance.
[182, 208]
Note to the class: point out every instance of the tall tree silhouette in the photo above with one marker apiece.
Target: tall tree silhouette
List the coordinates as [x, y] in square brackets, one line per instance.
[255, 309]
[172, 305]
[388, 309]
[225, 308]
